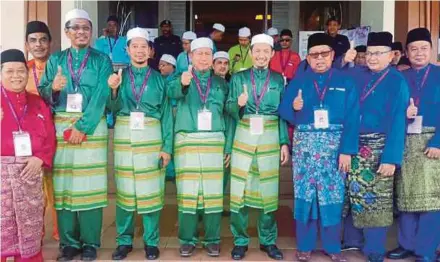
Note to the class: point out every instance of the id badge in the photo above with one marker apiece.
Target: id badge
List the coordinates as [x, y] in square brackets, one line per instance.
[137, 120]
[321, 118]
[257, 127]
[22, 143]
[74, 103]
[204, 120]
[416, 126]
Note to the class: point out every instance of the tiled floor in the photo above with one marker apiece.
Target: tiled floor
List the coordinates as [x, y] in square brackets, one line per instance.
[169, 245]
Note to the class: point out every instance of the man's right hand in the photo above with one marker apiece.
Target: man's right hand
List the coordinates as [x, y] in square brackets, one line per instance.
[59, 81]
[243, 98]
[298, 102]
[114, 81]
[186, 77]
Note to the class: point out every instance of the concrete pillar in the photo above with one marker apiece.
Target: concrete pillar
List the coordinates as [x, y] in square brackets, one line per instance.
[293, 21]
[379, 15]
[13, 24]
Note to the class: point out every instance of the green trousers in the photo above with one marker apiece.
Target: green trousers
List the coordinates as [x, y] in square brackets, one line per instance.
[267, 227]
[125, 225]
[188, 233]
[80, 228]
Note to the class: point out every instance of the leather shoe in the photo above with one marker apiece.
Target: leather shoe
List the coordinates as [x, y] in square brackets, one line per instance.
[89, 253]
[213, 250]
[68, 253]
[337, 257]
[151, 253]
[186, 250]
[121, 252]
[303, 256]
[376, 258]
[238, 252]
[272, 251]
[399, 253]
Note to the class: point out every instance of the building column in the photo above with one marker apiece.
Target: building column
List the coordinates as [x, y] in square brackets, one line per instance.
[413, 14]
[13, 24]
[379, 15]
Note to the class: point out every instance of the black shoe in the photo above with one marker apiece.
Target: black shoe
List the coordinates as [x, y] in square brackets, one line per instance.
[238, 252]
[399, 253]
[151, 253]
[68, 253]
[89, 253]
[376, 258]
[272, 251]
[121, 252]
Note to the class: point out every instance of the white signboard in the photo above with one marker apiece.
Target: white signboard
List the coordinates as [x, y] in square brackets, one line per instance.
[303, 38]
[153, 33]
[358, 35]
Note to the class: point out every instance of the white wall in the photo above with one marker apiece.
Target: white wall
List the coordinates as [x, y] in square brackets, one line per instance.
[378, 14]
[13, 27]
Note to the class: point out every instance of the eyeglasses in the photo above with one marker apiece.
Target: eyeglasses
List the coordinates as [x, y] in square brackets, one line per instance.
[77, 28]
[285, 40]
[322, 54]
[376, 54]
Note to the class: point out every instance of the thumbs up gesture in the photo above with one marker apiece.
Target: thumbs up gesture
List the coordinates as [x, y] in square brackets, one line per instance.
[412, 110]
[186, 77]
[298, 102]
[114, 81]
[350, 55]
[243, 98]
[60, 81]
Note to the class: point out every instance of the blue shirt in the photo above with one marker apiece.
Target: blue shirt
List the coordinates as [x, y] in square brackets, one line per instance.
[117, 47]
[341, 100]
[183, 61]
[429, 97]
[384, 109]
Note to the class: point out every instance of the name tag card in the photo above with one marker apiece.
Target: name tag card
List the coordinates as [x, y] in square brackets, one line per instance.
[74, 103]
[22, 143]
[416, 126]
[137, 120]
[257, 127]
[321, 118]
[204, 120]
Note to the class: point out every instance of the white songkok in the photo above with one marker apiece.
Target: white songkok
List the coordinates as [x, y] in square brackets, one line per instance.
[137, 32]
[262, 39]
[219, 27]
[201, 42]
[189, 35]
[76, 14]
[169, 59]
[244, 32]
[221, 54]
[272, 31]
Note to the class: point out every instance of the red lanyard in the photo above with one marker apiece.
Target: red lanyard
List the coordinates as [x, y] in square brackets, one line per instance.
[34, 72]
[418, 89]
[14, 113]
[263, 91]
[367, 93]
[138, 96]
[203, 97]
[282, 62]
[76, 76]
[321, 95]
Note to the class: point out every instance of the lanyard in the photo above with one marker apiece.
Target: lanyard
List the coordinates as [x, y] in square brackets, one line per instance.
[14, 113]
[76, 76]
[138, 96]
[114, 43]
[282, 62]
[34, 72]
[367, 93]
[203, 97]
[418, 89]
[321, 95]
[258, 99]
[241, 56]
